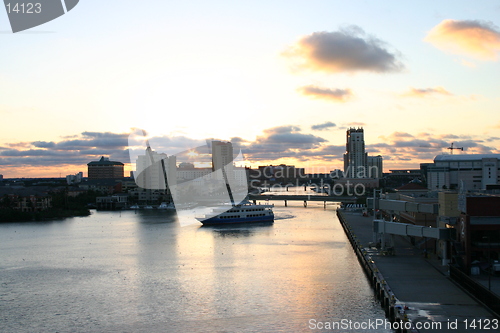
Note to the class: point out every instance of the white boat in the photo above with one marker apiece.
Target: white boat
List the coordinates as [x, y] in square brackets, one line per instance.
[148, 207]
[242, 213]
[164, 205]
[135, 207]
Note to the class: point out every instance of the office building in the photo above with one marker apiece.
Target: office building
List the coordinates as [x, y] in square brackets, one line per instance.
[355, 158]
[222, 157]
[357, 163]
[472, 171]
[105, 169]
[374, 164]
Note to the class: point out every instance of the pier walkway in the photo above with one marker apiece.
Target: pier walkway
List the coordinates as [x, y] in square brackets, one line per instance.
[415, 282]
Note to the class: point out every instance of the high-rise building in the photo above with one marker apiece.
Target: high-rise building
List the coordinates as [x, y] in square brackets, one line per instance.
[374, 166]
[105, 169]
[1, 178]
[222, 157]
[222, 154]
[355, 158]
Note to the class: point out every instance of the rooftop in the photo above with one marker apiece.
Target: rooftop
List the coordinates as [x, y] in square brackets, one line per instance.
[104, 161]
[465, 157]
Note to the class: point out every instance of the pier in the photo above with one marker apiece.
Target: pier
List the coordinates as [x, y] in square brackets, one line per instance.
[410, 287]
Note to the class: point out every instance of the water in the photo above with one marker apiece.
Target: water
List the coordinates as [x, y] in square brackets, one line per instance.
[143, 272]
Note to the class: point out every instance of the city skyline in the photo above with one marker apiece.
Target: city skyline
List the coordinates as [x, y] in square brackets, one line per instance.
[283, 81]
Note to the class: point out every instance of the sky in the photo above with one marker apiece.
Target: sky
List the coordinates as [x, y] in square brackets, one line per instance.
[282, 80]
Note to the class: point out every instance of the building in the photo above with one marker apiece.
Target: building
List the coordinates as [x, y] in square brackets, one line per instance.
[112, 202]
[187, 172]
[400, 177]
[374, 164]
[105, 169]
[25, 199]
[472, 171]
[106, 186]
[152, 169]
[1, 178]
[355, 158]
[478, 231]
[74, 179]
[357, 163]
[222, 156]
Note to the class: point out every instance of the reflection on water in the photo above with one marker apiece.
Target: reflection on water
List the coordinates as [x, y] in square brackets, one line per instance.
[142, 271]
[238, 230]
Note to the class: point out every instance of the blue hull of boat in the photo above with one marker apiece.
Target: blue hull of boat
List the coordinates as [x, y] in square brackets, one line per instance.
[256, 219]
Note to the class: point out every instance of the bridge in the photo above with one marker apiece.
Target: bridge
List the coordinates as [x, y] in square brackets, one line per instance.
[302, 197]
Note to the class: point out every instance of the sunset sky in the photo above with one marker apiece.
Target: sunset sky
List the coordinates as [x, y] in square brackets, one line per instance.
[282, 79]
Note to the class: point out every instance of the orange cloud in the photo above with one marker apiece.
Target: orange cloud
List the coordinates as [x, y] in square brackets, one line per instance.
[335, 95]
[414, 92]
[477, 39]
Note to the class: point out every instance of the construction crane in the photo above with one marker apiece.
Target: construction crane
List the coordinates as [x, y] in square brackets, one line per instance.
[451, 148]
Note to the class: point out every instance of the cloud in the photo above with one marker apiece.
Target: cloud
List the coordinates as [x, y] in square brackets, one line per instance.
[423, 147]
[474, 38]
[321, 127]
[282, 142]
[425, 92]
[347, 50]
[335, 95]
[274, 145]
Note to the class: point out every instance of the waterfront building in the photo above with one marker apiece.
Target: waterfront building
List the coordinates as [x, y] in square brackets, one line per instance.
[472, 171]
[105, 169]
[152, 169]
[478, 232]
[112, 202]
[1, 178]
[25, 199]
[106, 186]
[187, 172]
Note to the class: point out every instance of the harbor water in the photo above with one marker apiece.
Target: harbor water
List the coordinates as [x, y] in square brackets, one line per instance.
[140, 271]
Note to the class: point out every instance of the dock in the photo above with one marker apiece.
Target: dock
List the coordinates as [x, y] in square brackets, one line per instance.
[413, 289]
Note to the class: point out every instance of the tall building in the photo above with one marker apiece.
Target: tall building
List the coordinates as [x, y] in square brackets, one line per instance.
[1, 178]
[105, 169]
[374, 164]
[355, 158]
[222, 156]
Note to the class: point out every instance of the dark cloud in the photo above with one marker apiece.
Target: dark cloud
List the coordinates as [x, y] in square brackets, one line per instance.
[72, 150]
[321, 127]
[335, 95]
[281, 141]
[43, 144]
[347, 50]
